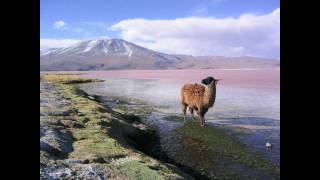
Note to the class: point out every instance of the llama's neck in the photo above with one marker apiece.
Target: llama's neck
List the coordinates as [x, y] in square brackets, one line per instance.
[210, 95]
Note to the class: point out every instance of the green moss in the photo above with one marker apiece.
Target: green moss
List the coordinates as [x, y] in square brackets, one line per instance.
[147, 169]
[220, 147]
[174, 118]
[123, 107]
[143, 111]
[139, 171]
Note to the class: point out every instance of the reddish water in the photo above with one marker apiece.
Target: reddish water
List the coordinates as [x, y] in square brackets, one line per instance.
[259, 78]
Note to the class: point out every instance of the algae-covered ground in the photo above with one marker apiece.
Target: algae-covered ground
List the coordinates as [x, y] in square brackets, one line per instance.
[86, 136]
[216, 153]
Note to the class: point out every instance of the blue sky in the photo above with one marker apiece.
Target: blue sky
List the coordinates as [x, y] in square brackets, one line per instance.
[66, 21]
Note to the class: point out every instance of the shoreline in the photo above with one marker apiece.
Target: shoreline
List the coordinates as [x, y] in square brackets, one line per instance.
[99, 145]
[141, 128]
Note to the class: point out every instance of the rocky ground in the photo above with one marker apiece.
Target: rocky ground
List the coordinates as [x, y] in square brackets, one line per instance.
[56, 139]
[81, 139]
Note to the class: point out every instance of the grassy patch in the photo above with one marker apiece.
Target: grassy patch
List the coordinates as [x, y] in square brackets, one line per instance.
[68, 79]
[94, 144]
[139, 171]
[106, 135]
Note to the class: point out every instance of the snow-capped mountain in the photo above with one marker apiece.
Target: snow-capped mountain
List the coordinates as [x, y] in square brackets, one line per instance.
[106, 54]
[95, 47]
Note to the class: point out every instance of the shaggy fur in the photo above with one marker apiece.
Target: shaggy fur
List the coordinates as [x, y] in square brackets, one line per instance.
[198, 97]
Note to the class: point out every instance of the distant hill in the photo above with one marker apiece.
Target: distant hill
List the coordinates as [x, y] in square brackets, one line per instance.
[108, 54]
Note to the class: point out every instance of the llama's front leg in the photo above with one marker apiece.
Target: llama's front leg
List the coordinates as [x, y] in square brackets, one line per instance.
[184, 111]
[202, 119]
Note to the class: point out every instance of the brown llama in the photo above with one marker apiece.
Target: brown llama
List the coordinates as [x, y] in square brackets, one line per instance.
[198, 97]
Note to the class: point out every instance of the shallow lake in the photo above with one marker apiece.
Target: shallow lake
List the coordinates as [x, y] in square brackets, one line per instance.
[247, 100]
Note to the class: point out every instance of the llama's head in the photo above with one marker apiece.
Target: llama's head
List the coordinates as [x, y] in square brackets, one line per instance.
[210, 81]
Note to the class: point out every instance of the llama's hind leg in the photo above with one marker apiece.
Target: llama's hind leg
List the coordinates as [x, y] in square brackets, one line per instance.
[202, 119]
[199, 116]
[184, 111]
[191, 112]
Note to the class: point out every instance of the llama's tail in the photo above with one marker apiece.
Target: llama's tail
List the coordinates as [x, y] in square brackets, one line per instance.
[182, 98]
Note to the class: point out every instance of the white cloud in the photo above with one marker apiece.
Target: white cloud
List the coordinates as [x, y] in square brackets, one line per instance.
[95, 24]
[249, 34]
[56, 43]
[97, 37]
[59, 24]
[202, 8]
